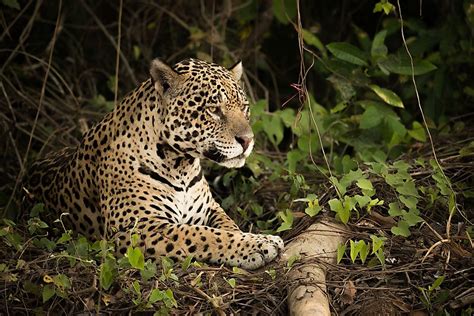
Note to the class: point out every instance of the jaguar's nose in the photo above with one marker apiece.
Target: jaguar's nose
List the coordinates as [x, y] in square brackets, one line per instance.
[244, 141]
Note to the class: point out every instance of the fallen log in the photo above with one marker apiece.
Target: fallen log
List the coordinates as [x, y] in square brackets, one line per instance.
[317, 247]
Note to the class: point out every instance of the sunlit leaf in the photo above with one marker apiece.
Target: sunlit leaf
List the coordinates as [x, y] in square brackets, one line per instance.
[387, 96]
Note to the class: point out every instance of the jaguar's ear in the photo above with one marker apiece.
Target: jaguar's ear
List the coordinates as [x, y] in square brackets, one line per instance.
[163, 76]
[237, 70]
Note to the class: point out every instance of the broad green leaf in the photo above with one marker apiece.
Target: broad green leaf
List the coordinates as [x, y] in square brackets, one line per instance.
[365, 184]
[287, 116]
[313, 208]
[37, 210]
[107, 273]
[170, 301]
[362, 200]
[292, 260]
[273, 127]
[335, 205]
[293, 157]
[409, 201]
[384, 6]
[156, 295]
[402, 229]
[136, 258]
[400, 66]
[364, 251]
[381, 256]
[342, 210]
[48, 292]
[287, 218]
[352, 176]
[396, 126]
[412, 218]
[370, 118]
[377, 243]
[149, 270]
[347, 52]
[313, 40]
[341, 249]
[231, 282]
[284, 10]
[186, 262]
[339, 107]
[387, 96]
[62, 281]
[353, 251]
[394, 209]
[12, 4]
[408, 188]
[417, 132]
[378, 48]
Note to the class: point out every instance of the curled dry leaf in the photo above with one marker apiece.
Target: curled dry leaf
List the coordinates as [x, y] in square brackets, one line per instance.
[348, 293]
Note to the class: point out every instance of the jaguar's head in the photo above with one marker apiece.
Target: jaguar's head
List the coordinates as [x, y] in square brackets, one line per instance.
[206, 112]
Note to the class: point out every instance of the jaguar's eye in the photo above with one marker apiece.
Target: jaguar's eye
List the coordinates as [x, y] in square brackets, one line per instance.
[215, 111]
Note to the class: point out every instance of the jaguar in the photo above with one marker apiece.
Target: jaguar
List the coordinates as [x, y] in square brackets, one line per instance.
[138, 170]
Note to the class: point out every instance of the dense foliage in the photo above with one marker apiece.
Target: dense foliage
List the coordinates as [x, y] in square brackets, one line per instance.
[362, 111]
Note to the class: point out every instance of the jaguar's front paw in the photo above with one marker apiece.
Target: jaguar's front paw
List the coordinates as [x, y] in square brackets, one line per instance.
[262, 249]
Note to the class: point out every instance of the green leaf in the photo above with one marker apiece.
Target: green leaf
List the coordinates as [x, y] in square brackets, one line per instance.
[384, 6]
[65, 237]
[401, 66]
[287, 218]
[107, 273]
[37, 210]
[396, 126]
[287, 116]
[354, 250]
[394, 209]
[365, 184]
[273, 127]
[149, 271]
[186, 262]
[136, 287]
[377, 243]
[170, 301]
[408, 188]
[231, 282]
[409, 201]
[136, 258]
[412, 218]
[364, 251]
[294, 157]
[370, 118]
[437, 283]
[313, 40]
[417, 132]
[292, 260]
[381, 256]
[362, 200]
[11, 4]
[342, 209]
[313, 208]
[347, 52]
[387, 96]
[156, 295]
[402, 229]
[62, 281]
[284, 10]
[48, 292]
[341, 249]
[378, 48]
